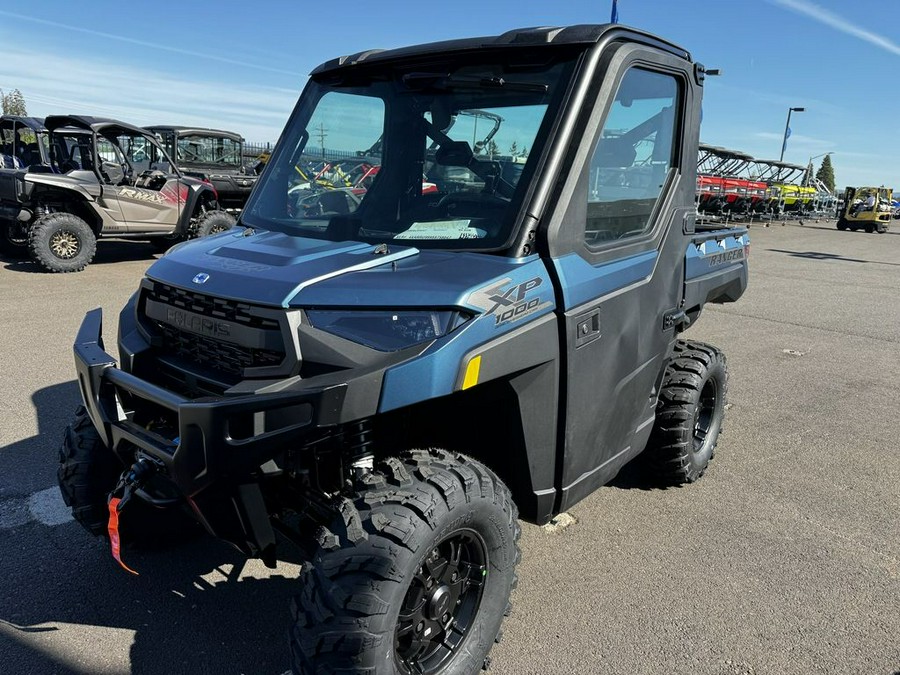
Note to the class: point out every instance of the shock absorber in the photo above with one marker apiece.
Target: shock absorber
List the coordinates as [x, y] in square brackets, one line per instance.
[360, 443]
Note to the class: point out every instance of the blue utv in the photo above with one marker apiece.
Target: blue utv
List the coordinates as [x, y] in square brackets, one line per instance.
[389, 378]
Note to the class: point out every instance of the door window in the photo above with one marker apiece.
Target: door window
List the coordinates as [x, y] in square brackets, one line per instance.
[632, 158]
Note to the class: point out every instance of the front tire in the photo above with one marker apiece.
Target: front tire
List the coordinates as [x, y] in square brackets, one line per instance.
[413, 576]
[689, 413]
[88, 471]
[842, 224]
[212, 222]
[62, 242]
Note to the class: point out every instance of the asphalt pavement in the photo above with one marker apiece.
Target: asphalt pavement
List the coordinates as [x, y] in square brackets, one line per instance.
[784, 558]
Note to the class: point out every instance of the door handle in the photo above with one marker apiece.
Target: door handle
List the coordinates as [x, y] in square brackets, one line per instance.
[587, 328]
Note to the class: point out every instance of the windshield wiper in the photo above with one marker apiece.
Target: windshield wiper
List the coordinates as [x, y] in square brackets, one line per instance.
[443, 81]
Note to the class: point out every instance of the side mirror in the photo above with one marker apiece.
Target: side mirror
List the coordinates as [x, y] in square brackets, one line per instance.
[112, 172]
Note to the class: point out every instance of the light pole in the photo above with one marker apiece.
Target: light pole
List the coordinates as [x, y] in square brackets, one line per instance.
[787, 129]
[809, 164]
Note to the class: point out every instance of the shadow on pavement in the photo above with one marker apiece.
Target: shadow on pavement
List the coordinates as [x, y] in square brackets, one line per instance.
[190, 611]
[29, 464]
[636, 476]
[816, 255]
[108, 251]
[807, 226]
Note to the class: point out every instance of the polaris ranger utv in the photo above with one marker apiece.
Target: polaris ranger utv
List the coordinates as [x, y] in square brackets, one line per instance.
[213, 155]
[391, 383]
[105, 178]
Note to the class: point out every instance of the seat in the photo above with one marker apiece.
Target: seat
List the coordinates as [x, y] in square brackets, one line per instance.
[334, 202]
[614, 153]
[31, 155]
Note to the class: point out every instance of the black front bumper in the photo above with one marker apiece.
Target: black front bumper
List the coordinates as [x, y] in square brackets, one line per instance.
[210, 440]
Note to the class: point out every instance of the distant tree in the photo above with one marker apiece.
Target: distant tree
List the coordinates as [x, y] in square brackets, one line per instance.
[493, 148]
[524, 152]
[826, 173]
[514, 149]
[13, 103]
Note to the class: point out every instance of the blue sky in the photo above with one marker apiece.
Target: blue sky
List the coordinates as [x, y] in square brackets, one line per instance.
[241, 65]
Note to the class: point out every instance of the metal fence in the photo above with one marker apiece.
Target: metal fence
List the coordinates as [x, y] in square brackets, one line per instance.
[254, 150]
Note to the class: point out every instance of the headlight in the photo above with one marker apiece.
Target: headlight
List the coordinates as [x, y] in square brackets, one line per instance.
[387, 331]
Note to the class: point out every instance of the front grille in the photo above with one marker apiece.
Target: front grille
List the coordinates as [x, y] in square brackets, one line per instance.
[215, 308]
[215, 354]
[248, 323]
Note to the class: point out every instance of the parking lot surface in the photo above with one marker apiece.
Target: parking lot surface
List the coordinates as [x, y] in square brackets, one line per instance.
[784, 558]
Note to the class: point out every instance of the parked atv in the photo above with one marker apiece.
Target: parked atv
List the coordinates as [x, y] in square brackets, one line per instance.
[391, 381]
[212, 155]
[23, 142]
[106, 178]
[24, 146]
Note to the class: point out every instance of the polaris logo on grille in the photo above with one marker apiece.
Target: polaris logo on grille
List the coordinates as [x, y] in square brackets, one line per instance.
[201, 278]
[197, 324]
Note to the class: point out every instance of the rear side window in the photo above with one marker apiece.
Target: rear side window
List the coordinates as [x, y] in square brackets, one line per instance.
[632, 157]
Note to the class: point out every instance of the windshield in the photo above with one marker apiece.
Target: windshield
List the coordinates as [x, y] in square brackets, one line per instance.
[197, 149]
[430, 155]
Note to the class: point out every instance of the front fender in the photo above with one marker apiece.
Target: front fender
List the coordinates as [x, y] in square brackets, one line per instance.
[198, 194]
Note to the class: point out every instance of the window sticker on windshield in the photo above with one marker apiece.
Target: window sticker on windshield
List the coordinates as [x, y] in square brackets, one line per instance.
[442, 229]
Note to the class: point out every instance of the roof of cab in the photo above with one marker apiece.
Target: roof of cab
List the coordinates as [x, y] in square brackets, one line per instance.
[33, 123]
[95, 124]
[196, 131]
[544, 35]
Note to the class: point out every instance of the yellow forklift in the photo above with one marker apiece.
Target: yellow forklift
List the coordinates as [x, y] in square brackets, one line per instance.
[866, 208]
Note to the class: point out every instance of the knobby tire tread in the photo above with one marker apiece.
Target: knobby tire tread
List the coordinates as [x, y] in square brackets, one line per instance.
[363, 554]
[669, 451]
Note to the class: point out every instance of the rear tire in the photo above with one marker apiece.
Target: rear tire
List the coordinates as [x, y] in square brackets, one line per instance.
[842, 224]
[689, 413]
[88, 471]
[62, 242]
[429, 541]
[13, 240]
[212, 222]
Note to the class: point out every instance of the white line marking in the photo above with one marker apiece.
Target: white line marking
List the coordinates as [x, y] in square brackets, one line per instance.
[48, 507]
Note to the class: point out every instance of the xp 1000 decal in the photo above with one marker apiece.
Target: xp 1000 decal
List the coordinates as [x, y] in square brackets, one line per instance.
[507, 301]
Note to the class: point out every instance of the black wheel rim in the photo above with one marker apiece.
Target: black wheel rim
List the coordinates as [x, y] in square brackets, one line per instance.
[706, 413]
[441, 604]
[16, 235]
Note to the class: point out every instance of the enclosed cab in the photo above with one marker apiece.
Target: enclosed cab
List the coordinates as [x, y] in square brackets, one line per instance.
[391, 380]
[212, 155]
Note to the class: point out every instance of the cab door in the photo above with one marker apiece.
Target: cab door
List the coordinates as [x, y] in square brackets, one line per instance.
[143, 209]
[617, 248]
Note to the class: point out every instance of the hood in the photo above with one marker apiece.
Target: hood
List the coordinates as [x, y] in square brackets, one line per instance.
[267, 268]
[276, 269]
